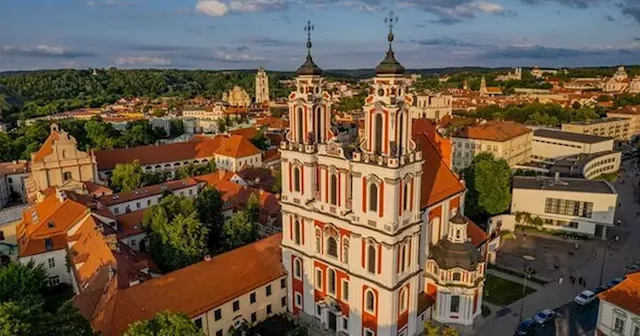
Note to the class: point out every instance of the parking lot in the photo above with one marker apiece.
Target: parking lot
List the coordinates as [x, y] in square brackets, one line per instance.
[572, 320]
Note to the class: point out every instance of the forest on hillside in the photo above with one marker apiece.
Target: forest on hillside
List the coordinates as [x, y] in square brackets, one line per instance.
[38, 93]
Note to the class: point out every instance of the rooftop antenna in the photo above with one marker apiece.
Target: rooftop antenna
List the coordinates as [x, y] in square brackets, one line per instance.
[391, 20]
[308, 29]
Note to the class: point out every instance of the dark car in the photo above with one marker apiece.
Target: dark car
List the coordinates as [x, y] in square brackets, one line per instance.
[600, 289]
[614, 282]
[526, 327]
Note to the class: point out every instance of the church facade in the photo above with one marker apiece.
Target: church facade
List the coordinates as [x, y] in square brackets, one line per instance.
[262, 86]
[359, 224]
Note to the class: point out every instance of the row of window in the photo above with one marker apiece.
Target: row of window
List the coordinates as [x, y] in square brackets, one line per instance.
[568, 207]
[254, 316]
[619, 324]
[217, 314]
[557, 143]
[561, 223]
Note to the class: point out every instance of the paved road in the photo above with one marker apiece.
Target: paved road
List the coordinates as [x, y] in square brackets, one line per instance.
[554, 295]
[573, 320]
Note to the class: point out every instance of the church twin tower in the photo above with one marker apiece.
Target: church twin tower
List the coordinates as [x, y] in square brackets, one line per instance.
[351, 212]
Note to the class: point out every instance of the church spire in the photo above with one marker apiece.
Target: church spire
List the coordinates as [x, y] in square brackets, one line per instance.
[309, 67]
[389, 65]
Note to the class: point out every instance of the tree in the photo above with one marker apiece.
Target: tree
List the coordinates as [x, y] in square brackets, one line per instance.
[260, 140]
[209, 206]
[177, 128]
[448, 331]
[489, 183]
[18, 281]
[176, 237]
[196, 169]
[430, 329]
[276, 188]
[24, 317]
[165, 324]
[239, 230]
[127, 176]
[253, 207]
[69, 321]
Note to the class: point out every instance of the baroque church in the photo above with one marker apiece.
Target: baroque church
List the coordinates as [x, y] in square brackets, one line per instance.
[374, 240]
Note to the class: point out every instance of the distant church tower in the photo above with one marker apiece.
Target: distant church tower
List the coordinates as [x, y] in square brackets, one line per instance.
[262, 86]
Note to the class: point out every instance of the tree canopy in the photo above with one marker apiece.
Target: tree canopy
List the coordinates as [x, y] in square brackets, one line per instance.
[26, 310]
[209, 206]
[239, 230]
[534, 114]
[489, 186]
[176, 237]
[127, 176]
[165, 324]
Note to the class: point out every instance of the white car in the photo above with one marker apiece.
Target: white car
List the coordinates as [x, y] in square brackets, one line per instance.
[585, 298]
[545, 316]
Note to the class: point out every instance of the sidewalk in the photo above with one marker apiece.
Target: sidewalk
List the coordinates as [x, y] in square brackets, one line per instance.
[515, 279]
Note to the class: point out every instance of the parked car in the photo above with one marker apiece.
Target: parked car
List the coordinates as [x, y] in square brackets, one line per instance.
[545, 316]
[614, 282]
[525, 327]
[585, 298]
[600, 289]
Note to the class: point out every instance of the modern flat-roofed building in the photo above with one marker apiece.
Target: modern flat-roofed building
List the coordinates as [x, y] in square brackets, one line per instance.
[551, 145]
[630, 112]
[569, 204]
[619, 311]
[615, 127]
[504, 139]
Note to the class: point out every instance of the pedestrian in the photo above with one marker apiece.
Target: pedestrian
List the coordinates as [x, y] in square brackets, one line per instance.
[584, 282]
[580, 281]
[573, 280]
[560, 281]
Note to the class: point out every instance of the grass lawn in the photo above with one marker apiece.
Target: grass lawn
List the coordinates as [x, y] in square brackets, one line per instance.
[502, 292]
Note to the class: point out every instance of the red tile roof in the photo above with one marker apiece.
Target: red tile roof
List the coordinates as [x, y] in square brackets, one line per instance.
[633, 110]
[237, 146]
[151, 190]
[493, 131]
[438, 181]
[18, 167]
[626, 294]
[131, 223]
[47, 147]
[146, 155]
[476, 233]
[248, 133]
[195, 289]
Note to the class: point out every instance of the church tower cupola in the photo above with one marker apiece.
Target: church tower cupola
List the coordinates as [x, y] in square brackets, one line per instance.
[387, 118]
[389, 65]
[310, 104]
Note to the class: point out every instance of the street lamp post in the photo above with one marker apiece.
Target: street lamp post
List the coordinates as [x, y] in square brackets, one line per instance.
[604, 257]
[527, 273]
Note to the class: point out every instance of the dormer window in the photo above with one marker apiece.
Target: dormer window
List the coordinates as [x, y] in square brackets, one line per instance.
[48, 244]
[50, 225]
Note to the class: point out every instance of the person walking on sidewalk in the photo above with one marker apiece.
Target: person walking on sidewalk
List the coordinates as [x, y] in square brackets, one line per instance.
[560, 281]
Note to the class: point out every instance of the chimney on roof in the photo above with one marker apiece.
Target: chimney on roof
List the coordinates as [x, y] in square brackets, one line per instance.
[112, 272]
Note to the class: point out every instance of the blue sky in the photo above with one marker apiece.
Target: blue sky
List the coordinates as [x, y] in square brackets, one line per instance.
[242, 34]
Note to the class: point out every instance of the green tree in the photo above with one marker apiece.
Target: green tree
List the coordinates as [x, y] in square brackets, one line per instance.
[24, 317]
[18, 281]
[239, 230]
[196, 169]
[448, 331]
[253, 207]
[276, 188]
[165, 324]
[177, 128]
[68, 321]
[176, 237]
[430, 329]
[127, 176]
[489, 183]
[260, 140]
[209, 205]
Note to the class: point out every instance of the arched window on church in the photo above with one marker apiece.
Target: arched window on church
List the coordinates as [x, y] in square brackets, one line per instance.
[378, 134]
[296, 179]
[297, 269]
[334, 190]
[332, 282]
[370, 302]
[373, 197]
[405, 196]
[345, 250]
[66, 176]
[400, 134]
[404, 299]
[371, 266]
[296, 234]
[299, 127]
[318, 124]
[332, 247]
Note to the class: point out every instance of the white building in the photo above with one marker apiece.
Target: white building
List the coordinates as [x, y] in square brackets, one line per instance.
[12, 187]
[504, 139]
[432, 106]
[569, 204]
[355, 238]
[619, 311]
[551, 145]
[262, 86]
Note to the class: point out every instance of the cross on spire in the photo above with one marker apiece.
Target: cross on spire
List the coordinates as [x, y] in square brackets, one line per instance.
[309, 28]
[391, 20]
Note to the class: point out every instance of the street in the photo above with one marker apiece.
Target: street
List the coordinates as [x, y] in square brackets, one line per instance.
[619, 255]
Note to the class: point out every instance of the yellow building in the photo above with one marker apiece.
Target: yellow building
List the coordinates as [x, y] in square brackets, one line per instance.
[630, 112]
[59, 163]
[504, 139]
[237, 97]
[615, 127]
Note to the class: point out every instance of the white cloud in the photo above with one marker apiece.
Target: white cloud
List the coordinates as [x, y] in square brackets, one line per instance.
[42, 51]
[212, 7]
[142, 60]
[226, 57]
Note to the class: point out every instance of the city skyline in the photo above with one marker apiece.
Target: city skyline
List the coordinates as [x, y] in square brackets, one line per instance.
[244, 34]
